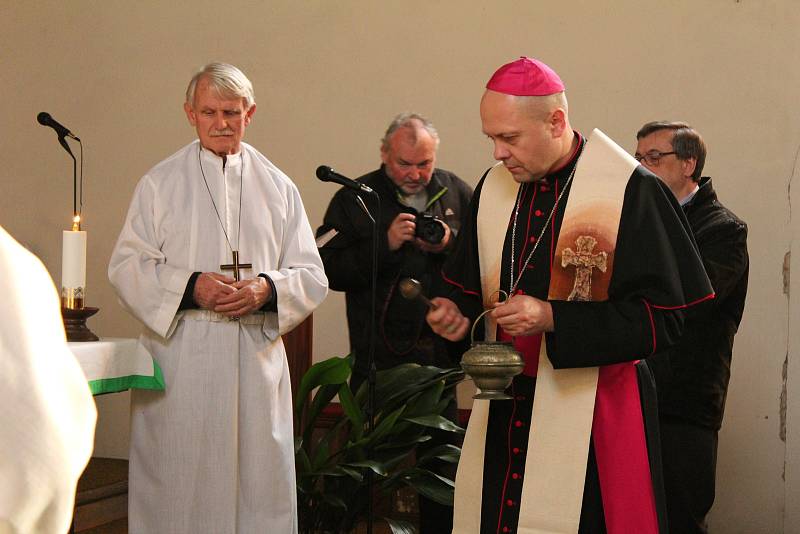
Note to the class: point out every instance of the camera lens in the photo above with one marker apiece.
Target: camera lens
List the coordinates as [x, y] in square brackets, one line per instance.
[429, 229]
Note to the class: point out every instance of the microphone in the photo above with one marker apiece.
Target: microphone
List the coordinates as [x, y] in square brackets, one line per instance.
[45, 119]
[327, 174]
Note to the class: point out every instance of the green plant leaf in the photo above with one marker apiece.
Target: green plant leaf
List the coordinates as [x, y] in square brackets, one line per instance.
[355, 474]
[351, 410]
[425, 402]
[403, 380]
[330, 371]
[378, 467]
[400, 527]
[329, 441]
[331, 481]
[436, 421]
[392, 459]
[321, 455]
[384, 426]
[409, 444]
[322, 398]
[403, 430]
[431, 485]
[446, 452]
[443, 402]
[453, 377]
[421, 381]
[334, 501]
[302, 461]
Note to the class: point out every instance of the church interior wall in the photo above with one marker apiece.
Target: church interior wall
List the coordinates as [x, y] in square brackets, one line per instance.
[329, 76]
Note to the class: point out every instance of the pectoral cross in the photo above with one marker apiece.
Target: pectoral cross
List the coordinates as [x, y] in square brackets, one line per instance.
[584, 261]
[235, 266]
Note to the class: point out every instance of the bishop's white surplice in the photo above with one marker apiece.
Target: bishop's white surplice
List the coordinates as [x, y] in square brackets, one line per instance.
[214, 452]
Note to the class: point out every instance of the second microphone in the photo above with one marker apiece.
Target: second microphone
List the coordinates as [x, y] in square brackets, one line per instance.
[327, 174]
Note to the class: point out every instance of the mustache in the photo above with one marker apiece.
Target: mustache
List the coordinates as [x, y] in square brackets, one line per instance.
[220, 133]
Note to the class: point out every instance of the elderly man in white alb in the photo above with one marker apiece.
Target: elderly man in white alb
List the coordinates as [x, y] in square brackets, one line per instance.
[217, 259]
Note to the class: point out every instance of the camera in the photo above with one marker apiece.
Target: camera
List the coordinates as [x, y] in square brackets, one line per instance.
[429, 228]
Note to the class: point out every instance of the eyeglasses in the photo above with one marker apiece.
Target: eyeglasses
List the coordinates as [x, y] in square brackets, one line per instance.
[652, 158]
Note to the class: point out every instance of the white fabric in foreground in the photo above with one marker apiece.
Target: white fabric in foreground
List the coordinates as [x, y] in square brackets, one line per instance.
[47, 414]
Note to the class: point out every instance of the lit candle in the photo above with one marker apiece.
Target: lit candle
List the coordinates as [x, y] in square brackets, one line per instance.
[73, 266]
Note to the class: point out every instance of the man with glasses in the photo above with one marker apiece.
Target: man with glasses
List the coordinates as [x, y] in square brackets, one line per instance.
[692, 377]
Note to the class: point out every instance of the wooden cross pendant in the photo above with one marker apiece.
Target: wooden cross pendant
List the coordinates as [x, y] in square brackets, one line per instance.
[235, 266]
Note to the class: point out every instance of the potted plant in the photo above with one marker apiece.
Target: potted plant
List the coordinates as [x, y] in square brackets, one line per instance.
[333, 469]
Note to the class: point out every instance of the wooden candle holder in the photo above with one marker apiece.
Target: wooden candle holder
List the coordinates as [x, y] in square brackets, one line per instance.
[75, 323]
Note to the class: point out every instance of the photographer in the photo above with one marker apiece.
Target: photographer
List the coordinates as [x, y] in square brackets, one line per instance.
[421, 212]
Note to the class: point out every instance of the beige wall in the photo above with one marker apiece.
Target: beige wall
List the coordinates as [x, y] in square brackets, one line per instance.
[328, 77]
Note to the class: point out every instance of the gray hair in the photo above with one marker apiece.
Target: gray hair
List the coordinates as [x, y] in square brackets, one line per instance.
[228, 81]
[409, 120]
[686, 142]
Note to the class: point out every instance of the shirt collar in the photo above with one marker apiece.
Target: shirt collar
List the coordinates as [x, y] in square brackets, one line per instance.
[564, 172]
[690, 196]
[232, 161]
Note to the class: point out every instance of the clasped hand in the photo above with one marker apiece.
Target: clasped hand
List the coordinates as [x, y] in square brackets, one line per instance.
[521, 315]
[223, 294]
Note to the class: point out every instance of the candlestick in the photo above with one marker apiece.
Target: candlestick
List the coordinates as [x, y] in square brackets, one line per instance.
[73, 268]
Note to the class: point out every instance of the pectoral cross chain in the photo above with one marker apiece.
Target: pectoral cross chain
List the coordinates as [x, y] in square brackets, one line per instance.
[235, 266]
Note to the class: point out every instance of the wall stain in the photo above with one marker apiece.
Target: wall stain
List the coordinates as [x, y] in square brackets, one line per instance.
[782, 411]
[787, 271]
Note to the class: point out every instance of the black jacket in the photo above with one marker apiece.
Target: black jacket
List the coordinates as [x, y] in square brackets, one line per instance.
[692, 377]
[403, 334]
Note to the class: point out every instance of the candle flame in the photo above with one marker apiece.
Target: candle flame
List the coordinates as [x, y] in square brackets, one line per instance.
[76, 223]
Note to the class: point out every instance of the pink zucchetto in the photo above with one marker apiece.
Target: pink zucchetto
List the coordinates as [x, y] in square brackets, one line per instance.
[525, 77]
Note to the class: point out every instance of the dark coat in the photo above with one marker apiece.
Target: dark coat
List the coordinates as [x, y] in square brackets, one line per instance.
[692, 377]
[403, 334]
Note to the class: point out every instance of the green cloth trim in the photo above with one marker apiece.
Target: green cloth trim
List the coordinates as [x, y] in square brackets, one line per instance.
[124, 383]
[436, 197]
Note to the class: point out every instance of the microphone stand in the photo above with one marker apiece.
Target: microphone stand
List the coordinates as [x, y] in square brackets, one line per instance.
[74, 318]
[370, 409]
[63, 142]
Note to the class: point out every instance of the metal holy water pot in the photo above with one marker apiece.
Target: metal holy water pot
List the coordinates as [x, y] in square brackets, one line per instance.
[491, 365]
